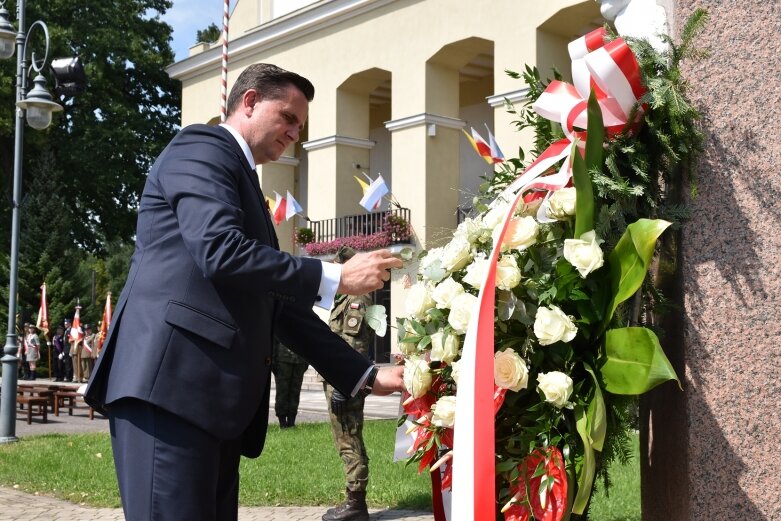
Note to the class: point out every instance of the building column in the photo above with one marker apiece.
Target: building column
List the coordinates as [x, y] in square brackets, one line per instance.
[333, 161]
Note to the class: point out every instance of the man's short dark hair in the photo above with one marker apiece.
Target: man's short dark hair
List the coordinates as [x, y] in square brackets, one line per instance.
[269, 81]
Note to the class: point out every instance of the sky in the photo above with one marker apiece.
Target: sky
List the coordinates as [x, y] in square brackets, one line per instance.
[188, 17]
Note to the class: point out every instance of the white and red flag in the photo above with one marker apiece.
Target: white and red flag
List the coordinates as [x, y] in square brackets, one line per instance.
[105, 323]
[292, 207]
[77, 334]
[280, 208]
[43, 313]
[494, 150]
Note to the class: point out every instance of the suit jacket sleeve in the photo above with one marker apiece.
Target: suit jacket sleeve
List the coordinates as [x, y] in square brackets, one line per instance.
[201, 184]
[306, 334]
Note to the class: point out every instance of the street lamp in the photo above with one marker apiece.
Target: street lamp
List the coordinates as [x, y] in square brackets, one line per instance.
[39, 106]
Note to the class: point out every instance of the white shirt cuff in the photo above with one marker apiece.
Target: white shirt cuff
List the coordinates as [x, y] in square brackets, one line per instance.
[329, 283]
[362, 382]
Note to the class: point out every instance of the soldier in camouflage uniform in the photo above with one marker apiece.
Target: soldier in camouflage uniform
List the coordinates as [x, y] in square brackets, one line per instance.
[288, 369]
[347, 320]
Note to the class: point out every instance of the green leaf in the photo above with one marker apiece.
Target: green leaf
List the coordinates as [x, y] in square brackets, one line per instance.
[597, 414]
[376, 319]
[582, 168]
[635, 361]
[630, 259]
[589, 466]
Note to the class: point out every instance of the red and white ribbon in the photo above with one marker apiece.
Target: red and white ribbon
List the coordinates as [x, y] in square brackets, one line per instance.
[224, 83]
[612, 68]
[613, 72]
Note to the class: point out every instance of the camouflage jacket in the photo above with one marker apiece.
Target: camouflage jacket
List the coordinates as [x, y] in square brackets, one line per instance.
[348, 321]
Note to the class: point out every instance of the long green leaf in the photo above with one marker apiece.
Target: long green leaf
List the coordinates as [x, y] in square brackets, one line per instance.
[589, 466]
[630, 259]
[595, 137]
[582, 168]
[597, 414]
[635, 362]
[584, 200]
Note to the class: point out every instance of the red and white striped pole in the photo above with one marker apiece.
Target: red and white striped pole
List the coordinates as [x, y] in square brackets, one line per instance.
[224, 86]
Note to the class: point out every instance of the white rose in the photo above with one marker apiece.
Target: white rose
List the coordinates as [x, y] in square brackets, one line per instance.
[444, 348]
[418, 301]
[475, 272]
[456, 254]
[552, 325]
[454, 370]
[584, 253]
[510, 371]
[461, 310]
[561, 205]
[521, 233]
[495, 215]
[508, 274]
[445, 292]
[469, 229]
[557, 388]
[417, 377]
[444, 412]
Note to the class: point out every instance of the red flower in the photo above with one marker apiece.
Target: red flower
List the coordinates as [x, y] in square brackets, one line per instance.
[551, 503]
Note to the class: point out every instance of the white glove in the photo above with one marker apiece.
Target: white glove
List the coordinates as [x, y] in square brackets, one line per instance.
[61, 356]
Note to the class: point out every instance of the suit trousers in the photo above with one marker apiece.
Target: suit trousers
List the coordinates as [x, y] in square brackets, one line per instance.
[169, 469]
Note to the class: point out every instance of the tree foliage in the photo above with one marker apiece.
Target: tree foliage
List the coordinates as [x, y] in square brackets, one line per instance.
[83, 176]
[108, 136]
[212, 33]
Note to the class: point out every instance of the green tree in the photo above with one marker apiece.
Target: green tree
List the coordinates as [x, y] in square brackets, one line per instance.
[211, 34]
[84, 175]
[108, 136]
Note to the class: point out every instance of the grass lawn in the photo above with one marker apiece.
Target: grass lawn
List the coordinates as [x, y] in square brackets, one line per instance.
[298, 467]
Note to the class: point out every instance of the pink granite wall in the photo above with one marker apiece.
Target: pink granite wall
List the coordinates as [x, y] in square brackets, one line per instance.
[713, 452]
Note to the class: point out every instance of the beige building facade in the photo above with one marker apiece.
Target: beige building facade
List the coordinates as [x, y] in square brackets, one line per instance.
[396, 81]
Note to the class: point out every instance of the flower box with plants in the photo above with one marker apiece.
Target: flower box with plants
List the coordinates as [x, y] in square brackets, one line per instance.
[395, 230]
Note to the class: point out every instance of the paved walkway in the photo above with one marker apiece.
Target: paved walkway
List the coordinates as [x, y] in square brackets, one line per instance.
[20, 506]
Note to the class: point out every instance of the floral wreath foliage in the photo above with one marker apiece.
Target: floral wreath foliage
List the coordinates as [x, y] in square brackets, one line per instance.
[566, 365]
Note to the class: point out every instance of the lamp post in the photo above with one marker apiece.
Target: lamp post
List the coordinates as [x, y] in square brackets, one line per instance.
[38, 106]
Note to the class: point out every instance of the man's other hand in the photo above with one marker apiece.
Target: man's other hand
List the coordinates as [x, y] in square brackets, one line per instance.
[367, 272]
[389, 380]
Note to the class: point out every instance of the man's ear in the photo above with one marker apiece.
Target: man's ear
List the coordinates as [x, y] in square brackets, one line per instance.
[248, 101]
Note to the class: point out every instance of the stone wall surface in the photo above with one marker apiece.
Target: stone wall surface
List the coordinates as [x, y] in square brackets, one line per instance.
[712, 450]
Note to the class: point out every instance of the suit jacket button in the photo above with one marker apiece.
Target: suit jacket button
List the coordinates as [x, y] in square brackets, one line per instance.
[268, 360]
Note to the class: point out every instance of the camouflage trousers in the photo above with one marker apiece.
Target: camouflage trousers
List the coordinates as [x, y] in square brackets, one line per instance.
[287, 380]
[347, 430]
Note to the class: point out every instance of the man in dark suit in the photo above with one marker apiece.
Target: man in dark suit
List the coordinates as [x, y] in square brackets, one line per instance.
[184, 372]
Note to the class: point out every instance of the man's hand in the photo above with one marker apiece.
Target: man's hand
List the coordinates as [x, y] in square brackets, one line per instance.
[389, 379]
[367, 272]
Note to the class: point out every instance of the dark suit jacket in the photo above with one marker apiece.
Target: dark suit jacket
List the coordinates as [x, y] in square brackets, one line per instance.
[206, 292]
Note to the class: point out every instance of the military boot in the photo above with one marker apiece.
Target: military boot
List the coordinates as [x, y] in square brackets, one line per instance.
[352, 509]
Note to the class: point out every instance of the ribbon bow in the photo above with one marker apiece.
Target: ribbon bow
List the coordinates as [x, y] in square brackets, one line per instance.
[613, 72]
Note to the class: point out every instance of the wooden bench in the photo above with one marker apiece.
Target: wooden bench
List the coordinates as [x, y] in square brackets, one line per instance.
[40, 391]
[68, 399]
[31, 402]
